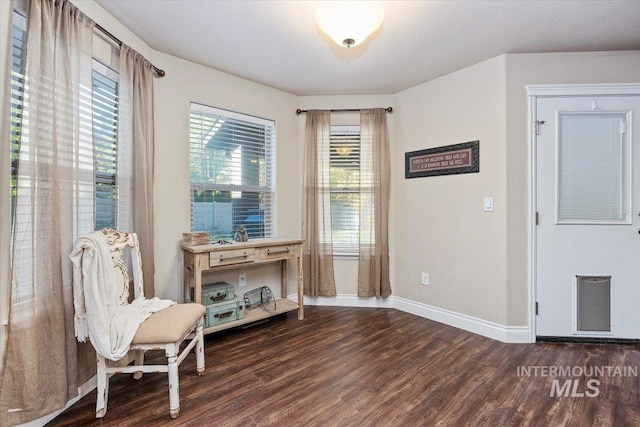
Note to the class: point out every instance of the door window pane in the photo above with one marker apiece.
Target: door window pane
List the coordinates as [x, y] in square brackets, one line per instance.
[593, 174]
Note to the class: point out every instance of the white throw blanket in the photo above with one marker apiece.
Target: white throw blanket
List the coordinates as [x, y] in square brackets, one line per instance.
[109, 326]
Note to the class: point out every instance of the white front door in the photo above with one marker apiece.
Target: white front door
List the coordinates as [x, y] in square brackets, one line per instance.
[587, 271]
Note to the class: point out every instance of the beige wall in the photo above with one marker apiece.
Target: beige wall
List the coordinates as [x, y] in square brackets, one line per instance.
[478, 261]
[441, 228]
[547, 68]
[186, 82]
[100, 16]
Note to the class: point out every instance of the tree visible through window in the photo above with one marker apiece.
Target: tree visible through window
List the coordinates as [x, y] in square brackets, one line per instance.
[231, 172]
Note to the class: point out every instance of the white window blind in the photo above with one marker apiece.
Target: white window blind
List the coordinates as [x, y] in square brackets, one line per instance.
[592, 168]
[345, 188]
[98, 134]
[18, 66]
[232, 168]
[105, 139]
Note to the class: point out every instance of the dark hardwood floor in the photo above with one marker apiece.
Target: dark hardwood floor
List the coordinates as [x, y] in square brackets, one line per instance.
[376, 367]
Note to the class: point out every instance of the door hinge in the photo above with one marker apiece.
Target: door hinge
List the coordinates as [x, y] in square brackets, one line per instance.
[537, 218]
[536, 308]
[538, 123]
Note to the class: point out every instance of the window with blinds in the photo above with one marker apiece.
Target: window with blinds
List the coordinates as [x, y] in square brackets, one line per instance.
[344, 178]
[102, 121]
[18, 67]
[593, 168]
[232, 168]
[105, 138]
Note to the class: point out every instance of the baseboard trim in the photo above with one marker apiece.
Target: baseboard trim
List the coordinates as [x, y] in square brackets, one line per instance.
[518, 335]
[347, 300]
[506, 334]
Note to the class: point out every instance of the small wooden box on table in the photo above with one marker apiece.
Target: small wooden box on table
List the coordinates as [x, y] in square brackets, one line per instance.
[217, 257]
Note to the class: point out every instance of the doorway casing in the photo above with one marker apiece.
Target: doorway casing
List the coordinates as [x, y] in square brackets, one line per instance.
[535, 92]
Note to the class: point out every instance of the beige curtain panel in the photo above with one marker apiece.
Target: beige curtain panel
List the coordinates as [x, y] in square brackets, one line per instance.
[317, 251]
[43, 364]
[373, 266]
[373, 256]
[136, 159]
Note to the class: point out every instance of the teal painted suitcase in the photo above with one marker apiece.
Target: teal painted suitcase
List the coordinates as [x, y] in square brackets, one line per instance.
[220, 313]
[240, 306]
[217, 292]
[223, 312]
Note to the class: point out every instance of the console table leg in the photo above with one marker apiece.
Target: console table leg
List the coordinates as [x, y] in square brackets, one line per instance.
[300, 287]
[186, 280]
[283, 278]
[197, 279]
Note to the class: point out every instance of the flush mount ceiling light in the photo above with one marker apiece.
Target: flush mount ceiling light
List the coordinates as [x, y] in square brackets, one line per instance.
[349, 23]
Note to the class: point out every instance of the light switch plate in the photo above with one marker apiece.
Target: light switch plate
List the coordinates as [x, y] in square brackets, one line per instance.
[488, 204]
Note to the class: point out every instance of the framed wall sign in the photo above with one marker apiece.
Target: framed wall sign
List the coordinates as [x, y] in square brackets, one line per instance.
[446, 160]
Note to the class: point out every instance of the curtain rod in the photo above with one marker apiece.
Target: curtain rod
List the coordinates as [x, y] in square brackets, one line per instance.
[345, 110]
[158, 71]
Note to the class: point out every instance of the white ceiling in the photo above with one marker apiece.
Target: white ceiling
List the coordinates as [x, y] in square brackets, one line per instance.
[277, 43]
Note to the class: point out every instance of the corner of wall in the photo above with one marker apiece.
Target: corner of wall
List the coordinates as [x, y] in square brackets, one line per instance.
[440, 224]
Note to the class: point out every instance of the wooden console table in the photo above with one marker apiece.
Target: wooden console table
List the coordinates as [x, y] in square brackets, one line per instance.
[216, 257]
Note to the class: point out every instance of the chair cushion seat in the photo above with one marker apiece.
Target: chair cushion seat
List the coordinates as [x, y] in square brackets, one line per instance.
[168, 325]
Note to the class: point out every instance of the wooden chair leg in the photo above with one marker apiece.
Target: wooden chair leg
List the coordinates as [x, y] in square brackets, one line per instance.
[174, 387]
[102, 387]
[199, 348]
[139, 362]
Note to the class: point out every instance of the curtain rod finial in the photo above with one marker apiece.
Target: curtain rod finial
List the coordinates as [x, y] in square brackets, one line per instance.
[298, 111]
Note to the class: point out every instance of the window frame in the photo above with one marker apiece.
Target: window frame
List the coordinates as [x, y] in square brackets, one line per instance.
[342, 249]
[264, 191]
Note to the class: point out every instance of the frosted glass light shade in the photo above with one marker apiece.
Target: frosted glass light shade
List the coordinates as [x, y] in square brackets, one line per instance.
[349, 23]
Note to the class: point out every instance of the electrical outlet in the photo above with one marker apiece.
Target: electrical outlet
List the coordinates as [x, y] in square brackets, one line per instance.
[425, 279]
[242, 279]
